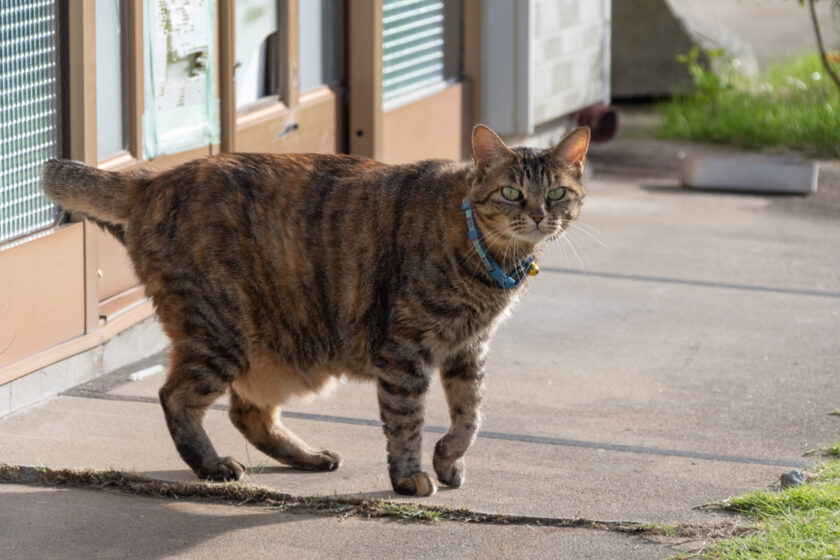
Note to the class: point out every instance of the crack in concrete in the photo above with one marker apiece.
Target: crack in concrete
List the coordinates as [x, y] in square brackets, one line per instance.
[242, 494]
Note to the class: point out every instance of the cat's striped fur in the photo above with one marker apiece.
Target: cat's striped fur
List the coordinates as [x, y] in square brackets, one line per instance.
[274, 273]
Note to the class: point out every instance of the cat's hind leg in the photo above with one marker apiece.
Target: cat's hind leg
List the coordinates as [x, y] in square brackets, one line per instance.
[194, 383]
[263, 428]
[463, 380]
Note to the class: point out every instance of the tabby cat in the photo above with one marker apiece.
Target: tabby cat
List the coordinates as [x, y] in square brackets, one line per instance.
[274, 273]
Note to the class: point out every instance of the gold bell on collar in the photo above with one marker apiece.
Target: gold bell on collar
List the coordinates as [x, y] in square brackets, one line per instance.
[533, 270]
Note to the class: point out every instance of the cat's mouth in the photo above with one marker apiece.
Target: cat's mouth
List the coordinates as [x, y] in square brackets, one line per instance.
[533, 236]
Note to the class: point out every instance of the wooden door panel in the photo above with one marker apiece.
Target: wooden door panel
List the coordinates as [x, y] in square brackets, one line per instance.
[429, 128]
[42, 296]
[313, 126]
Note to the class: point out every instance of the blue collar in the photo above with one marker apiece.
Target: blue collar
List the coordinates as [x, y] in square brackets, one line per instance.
[523, 269]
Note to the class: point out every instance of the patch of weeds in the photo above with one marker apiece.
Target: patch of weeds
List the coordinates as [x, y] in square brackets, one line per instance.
[410, 512]
[792, 106]
[796, 522]
[241, 493]
[664, 529]
[830, 451]
[833, 450]
[252, 468]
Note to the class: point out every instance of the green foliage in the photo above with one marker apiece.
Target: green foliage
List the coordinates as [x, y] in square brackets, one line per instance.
[831, 450]
[410, 512]
[797, 522]
[664, 529]
[792, 107]
[709, 83]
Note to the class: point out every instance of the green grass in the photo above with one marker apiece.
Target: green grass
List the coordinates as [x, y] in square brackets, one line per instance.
[410, 512]
[785, 110]
[797, 522]
[833, 450]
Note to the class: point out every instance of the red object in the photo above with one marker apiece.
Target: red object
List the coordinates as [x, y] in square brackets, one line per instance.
[602, 120]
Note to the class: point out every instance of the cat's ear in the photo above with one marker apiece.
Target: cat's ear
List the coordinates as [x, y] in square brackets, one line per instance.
[488, 149]
[572, 149]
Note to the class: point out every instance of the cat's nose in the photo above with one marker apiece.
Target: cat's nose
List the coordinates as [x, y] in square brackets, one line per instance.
[537, 216]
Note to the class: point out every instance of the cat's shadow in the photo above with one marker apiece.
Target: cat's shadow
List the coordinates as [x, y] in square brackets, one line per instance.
[186, 475]
[390, 495]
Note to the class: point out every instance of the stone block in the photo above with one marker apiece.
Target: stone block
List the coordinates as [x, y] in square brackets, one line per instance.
[25, 391]
[647, 36]
[144, 339]
[5, 399]
[135, 343]
[750, 173]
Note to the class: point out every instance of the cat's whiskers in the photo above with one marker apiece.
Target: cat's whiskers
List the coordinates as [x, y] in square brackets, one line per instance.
[591, 232]
[568, 241]
[511, 239]
[555, 240]
[516, 250]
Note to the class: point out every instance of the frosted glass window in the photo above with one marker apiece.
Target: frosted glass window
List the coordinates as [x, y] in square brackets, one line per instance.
[110, 118]
[258, 67]
[320, 36]
[29, 131]
[421, 46]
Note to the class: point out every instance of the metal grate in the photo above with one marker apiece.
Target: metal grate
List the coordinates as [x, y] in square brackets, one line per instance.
[415, 46]
[28, 113]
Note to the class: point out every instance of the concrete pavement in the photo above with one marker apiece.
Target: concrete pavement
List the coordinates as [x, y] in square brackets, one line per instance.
[680, 348]
[775, 28]
[73, 524]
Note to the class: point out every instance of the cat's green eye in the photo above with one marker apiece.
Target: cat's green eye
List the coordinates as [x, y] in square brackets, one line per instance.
[557, 194]
[509, 193]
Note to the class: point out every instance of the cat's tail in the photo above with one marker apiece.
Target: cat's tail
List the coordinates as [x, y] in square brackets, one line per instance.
[100, 195]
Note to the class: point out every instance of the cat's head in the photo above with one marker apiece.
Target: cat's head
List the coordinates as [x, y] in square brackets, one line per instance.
[524, 196]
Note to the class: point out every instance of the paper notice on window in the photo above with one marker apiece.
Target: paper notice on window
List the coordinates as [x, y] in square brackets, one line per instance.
[181, 106]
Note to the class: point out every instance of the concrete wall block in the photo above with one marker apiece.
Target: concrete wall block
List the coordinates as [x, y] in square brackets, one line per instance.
[5, 399]
[591, 10]
[568, 101]
[70, 372]
[544, 13]
[569, 41]
[557, 76]
[552, 16]
[588, 68]
[25, 391]
[573, 39]
[562, 35]
[138, 342]
[570, 11]
[144, 339]
[558, 105]
[548, 48]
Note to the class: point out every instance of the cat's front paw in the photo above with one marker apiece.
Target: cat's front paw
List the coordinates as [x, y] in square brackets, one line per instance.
[328, 461]
[416, 484]
[222, 469]
[451, 473]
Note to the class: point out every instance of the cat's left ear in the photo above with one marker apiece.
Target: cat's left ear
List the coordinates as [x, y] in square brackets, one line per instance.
[572, 149]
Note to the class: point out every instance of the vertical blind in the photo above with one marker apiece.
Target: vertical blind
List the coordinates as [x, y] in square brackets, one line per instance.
[28, 113]
[415, 45]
